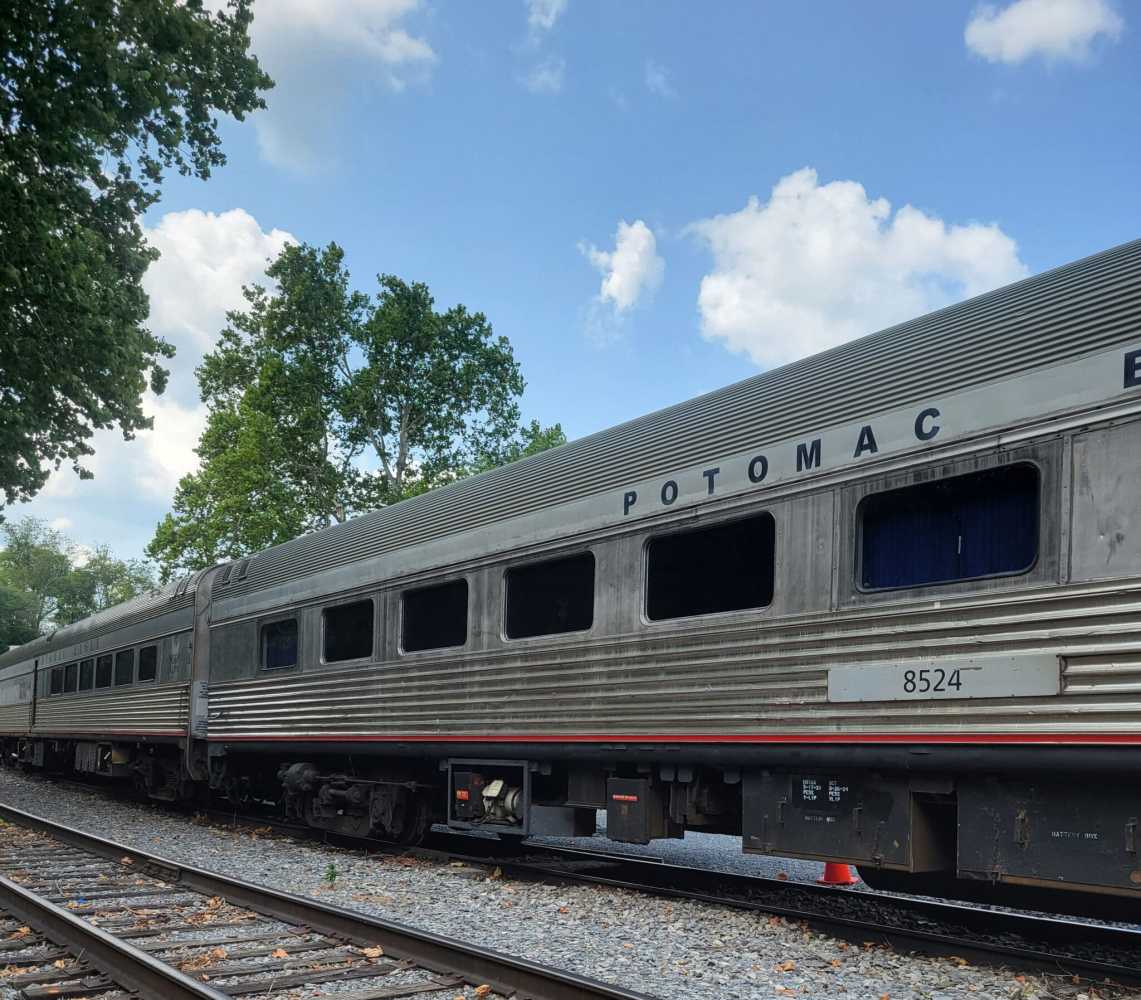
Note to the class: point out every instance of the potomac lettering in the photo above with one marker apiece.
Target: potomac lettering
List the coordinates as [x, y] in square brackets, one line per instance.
[758, 469]
[923, 432]
[810, 454]
[866, 441]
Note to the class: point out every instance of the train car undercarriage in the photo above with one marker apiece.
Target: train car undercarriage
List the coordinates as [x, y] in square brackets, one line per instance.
[1002, 838]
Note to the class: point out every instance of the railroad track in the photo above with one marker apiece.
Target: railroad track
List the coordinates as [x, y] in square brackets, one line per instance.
[1028, 941]
[1031, 941]
[87, 916]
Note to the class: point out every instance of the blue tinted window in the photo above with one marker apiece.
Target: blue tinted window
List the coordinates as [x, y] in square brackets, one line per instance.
[279, 644]
[981, 524]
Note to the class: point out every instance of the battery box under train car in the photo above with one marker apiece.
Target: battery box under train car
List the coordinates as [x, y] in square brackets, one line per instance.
[1042, 833]
[981, 837]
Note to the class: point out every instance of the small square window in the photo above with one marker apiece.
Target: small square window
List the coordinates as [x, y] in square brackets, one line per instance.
[70, 678]
[434, 617]
[103, 671]
[148, 663]
[705, 571]
[550, 597]
[279, 644]
[124, 667]
[86, 675]
[348, 632]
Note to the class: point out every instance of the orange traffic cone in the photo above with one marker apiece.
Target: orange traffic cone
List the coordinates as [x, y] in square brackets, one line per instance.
[838, 873]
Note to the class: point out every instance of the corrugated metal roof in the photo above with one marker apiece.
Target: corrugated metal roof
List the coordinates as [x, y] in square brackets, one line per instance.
[175, 595]
[1059, 315]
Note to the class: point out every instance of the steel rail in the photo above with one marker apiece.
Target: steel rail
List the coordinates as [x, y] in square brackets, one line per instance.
[925, 924]
[122, 963]
[510, 976]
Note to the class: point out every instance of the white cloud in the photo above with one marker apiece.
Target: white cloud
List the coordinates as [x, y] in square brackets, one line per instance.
[542, 14]
[547, 76]
[318, 51]
[206, 258]
[629, 271]
[60, 523]
[1054, 29]
[817, 265]
[658, 80]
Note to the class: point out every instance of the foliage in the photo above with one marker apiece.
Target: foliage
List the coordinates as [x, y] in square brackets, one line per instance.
[47, 582]
[313, 383]
[97, 98]
[530, 440]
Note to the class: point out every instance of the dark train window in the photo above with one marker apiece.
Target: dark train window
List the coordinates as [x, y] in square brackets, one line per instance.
[103, 671]
[434, 617]
[961, 528]
[348, 632]
[279, 644]
[725, 567]
[56, 680]
[70, 678]
[550, 597]
[148, 663]
[86, 675]
[124, 667]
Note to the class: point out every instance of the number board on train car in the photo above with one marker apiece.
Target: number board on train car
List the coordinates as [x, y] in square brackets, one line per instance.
[963, 677]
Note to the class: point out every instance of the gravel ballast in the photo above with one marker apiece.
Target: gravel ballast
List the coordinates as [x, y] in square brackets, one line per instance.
[666, 948]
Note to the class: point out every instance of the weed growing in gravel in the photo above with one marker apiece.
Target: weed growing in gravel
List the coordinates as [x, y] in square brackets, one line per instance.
[331, 874]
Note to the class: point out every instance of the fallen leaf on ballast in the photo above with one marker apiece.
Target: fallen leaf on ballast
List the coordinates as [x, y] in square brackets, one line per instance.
[786, 966]
[60, 963]
[372, 952]
[482, 991]
[279, 953]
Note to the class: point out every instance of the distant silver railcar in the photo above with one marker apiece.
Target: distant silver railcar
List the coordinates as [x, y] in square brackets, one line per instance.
[882, 605]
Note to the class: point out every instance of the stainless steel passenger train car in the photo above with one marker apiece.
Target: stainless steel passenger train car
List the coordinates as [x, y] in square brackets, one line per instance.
[880, 605]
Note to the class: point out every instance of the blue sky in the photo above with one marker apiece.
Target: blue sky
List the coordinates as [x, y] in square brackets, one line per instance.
[582, 173]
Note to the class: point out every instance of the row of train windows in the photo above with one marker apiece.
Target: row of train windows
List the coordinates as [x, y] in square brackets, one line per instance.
[960, 528]
[107, 670]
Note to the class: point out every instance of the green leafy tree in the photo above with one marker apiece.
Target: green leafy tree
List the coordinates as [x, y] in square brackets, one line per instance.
[47, 582]
[15, 617]
[530, 440]
[97, 99]
[35, 563]
[313, 383]
[101, 581]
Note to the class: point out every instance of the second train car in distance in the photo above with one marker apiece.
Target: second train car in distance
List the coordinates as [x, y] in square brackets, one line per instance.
[882, 605]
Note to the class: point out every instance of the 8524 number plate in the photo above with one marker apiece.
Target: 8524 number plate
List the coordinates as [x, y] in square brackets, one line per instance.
[968, 677]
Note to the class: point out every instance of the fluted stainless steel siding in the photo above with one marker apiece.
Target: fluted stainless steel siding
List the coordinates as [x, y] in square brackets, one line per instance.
[130, 711]
[736, 680]
[1062, 314]
[15, 719]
